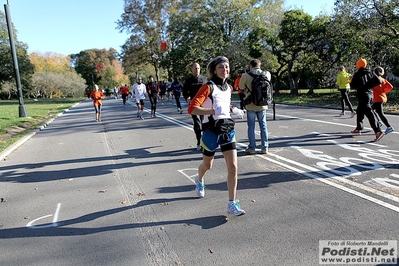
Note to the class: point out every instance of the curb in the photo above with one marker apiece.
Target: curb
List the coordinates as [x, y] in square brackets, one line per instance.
[17, 144]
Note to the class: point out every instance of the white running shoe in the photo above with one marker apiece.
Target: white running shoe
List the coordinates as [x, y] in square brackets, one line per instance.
[199, 187]
[389, 130]
[234, 208]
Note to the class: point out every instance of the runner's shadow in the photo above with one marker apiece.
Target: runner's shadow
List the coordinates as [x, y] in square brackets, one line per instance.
[63, 227]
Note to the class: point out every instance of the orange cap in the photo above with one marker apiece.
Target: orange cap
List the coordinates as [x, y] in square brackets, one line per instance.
[361, 63]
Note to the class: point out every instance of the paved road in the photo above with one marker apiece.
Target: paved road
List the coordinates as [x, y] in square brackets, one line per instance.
[121, 192]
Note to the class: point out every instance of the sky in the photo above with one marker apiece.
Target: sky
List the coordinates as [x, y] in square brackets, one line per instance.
[70, 26]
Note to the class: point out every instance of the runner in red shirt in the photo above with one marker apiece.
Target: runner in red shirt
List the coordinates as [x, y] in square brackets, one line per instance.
[124, 89]
[97, 96]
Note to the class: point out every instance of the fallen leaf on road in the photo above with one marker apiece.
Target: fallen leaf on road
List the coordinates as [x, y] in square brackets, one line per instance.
[141, 194]
[123, 202]
[210, 250]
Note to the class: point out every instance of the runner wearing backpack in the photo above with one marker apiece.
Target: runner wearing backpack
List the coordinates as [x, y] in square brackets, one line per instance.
[255, 111]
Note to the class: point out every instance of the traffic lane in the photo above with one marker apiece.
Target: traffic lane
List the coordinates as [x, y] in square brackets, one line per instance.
[179, 195]
[337, 156]
[164, 175]
[63, 199]
[312, 146]
[190, 217]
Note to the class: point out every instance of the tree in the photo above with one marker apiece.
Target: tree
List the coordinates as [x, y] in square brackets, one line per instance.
[302, 51]
[321, 57]
[52, 62]
[376, 27]
[146, 20]
[195, 31]
[199, 32]
[7, 67]
[292, 43]
[113, 75]
[54, 76]
[265, 45]
[92, 64]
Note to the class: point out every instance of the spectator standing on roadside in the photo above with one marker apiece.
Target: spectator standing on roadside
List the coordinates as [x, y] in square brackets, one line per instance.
[213, 100]
[140, 91]
[177, 88]
[364, 80]
[254, 111]
[343, 81]
[380, 97]
[124, 89]
[190, 89]
[97, 95]
[152, 91]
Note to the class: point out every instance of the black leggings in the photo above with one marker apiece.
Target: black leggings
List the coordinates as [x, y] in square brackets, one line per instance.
[378, 108]
[345, 99]
[153, 101]
[197, 126]
[177, 98]
[124, 98]
[364, 109]
[242, 103]
[98, 109]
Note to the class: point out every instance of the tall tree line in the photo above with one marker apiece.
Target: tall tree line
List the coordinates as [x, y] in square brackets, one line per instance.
[7, 76]
[299, 50]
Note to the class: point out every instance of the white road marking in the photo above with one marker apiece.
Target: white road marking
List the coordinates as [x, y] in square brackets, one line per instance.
[189, 177]
[309, 168]
[53, 224]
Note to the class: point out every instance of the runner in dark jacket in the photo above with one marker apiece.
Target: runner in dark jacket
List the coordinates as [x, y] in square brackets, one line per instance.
[191, 87]
[152, 91]
[363, 81]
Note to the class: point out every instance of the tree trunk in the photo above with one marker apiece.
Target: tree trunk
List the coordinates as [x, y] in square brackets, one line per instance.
[291, 81]
[156, 73]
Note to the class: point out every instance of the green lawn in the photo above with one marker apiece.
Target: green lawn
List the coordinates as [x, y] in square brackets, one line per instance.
[39, 112]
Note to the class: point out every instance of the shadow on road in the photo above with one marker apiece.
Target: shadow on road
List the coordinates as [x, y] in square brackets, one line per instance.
[64, 227]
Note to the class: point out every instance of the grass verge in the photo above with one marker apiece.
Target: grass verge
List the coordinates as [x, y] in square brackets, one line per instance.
[13, 127]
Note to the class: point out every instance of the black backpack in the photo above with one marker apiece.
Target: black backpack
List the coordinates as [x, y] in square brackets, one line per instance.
[261, 90]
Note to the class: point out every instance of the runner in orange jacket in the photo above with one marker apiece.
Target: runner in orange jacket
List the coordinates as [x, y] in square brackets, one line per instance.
[124, 89]
[97, 95]
[380, 97]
